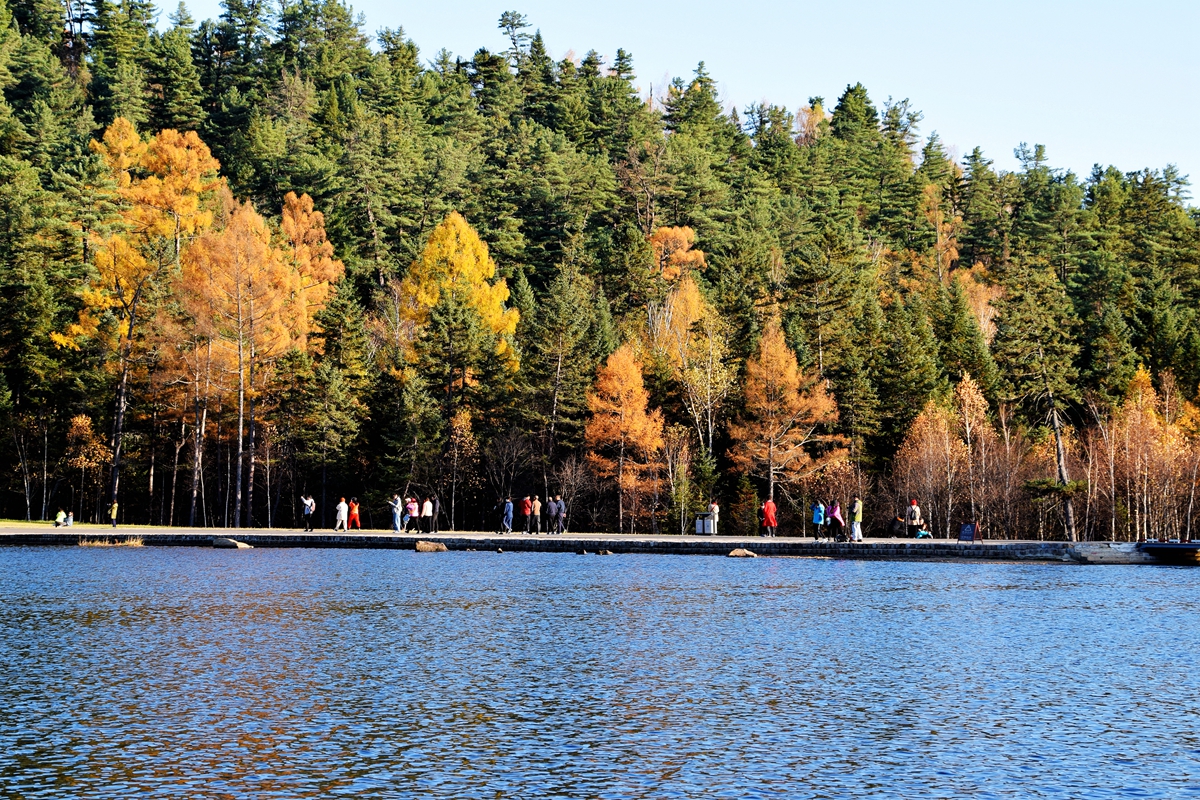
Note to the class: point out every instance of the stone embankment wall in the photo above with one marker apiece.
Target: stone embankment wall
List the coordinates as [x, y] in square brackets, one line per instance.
[879, 549]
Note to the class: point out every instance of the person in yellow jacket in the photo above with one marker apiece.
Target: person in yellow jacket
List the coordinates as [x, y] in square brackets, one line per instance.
[112, 513]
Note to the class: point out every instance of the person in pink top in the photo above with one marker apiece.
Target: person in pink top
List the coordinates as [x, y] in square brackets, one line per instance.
[839, 524]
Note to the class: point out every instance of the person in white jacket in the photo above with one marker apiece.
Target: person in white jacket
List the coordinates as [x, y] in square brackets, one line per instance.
[427, 515]
[343, 514]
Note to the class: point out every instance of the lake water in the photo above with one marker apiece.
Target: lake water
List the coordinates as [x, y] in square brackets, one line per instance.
[160, 672]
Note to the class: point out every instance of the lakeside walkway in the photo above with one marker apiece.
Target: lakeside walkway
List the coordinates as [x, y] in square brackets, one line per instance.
[23, 533]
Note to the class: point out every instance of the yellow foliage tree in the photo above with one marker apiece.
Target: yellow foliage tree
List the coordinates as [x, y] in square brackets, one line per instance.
[673, 252]
[622, 435]
[781, 435]
[167, 202]
[162, 187]
[930, 463]
[242, 292]
[456, 261]
[693, 338]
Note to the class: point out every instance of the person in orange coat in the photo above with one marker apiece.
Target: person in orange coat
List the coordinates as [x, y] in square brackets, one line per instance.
[769, 521]
[354, 522]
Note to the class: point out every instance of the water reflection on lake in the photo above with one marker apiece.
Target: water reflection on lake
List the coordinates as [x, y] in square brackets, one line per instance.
[161, 672]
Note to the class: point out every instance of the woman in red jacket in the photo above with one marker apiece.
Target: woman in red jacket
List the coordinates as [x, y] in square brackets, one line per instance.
[353, 521]
[769, 521]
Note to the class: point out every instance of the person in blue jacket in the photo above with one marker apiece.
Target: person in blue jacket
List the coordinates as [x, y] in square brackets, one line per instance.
[508, 512]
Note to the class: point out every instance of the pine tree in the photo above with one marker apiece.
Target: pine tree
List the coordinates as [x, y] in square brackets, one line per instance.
[120, 50]
[1036, 355]
[908, 372]
[963, 349]
[1109, 358]
[175, 80]
[982, 240]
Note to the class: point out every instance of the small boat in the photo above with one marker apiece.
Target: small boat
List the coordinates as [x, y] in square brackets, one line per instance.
[1173, 552]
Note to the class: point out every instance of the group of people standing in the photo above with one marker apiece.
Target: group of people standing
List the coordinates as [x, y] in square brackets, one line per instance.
[829, 522]
[531, 511]
[423, 516]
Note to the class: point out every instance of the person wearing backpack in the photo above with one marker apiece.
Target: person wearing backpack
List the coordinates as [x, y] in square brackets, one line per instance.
[912, 519]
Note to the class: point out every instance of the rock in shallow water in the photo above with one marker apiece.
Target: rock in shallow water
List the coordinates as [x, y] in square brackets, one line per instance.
[231, 544]
[741, 552]
[431, 547]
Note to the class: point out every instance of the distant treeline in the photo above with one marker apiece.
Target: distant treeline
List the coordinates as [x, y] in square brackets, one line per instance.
[265, 255]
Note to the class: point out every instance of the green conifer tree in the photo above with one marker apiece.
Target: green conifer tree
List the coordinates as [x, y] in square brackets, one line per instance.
[1036, 353]
[175, 80]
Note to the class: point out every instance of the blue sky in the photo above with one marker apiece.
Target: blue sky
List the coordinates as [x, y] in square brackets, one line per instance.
[1099, 81]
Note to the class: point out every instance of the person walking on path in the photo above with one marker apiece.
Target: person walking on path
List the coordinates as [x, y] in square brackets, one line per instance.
[818, 509]
[856, 509]
[112, 513]
[912, 519]
[506, 518]
[770, 522]
[560, 519]
[437, 514]
[310, 508]
[715, 510]
[427, 515]
[411, 512]
[551, 513]
[527, 512]
[536, 506]
[343, 513]
[353, 520]
[397, 507]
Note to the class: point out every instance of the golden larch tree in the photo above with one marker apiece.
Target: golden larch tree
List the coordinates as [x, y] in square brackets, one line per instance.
[622, 435]
[456, 260]
[782, 435]
[162, 189]
[693, 338]
[673, 252]
[310, 254]
[242, 290]
[979, 437]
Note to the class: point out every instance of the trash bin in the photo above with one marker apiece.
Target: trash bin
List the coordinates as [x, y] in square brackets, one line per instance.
[704, 524]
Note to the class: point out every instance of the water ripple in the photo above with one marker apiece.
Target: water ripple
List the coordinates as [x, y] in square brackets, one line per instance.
[166, 673]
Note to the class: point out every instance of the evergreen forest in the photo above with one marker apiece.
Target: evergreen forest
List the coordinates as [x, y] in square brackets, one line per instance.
[273, 253]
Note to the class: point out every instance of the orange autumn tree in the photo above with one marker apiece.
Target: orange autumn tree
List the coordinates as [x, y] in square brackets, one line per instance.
[673, 252]
[242, 292]
[163, 190]
[622, 435]
[781, 435]
[310, 254]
